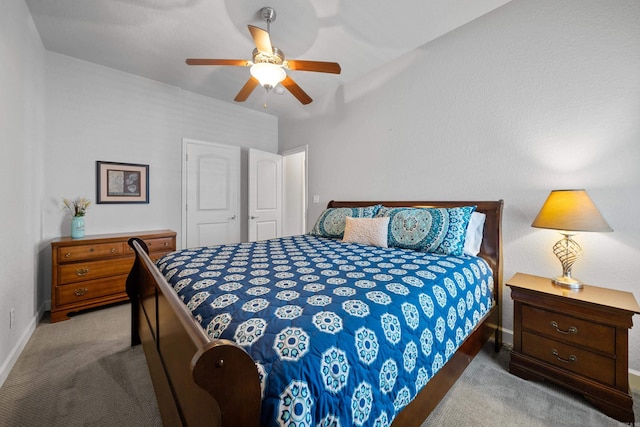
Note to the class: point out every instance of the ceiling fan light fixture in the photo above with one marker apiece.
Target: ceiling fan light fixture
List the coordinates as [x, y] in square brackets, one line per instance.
[269, 75]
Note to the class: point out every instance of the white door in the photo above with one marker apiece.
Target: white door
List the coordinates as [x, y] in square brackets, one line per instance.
[265, 195]
[211, 194]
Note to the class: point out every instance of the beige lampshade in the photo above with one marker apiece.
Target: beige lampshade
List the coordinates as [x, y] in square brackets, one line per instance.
[570, 210]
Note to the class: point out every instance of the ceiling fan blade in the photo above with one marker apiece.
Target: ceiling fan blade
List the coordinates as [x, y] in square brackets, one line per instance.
[319, 66]
[204, 61]
[246, 90]
[262, 39]
[296, 90]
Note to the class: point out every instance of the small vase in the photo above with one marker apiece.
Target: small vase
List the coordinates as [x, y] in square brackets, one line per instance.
[77, 227]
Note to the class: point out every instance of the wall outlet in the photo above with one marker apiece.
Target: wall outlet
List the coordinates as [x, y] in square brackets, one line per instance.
[12, 318]
[316, 199]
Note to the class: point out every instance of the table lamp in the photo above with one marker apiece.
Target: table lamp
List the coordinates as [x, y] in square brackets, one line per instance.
[569, 211]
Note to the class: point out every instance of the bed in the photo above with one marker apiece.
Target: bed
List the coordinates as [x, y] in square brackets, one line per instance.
[207, 372]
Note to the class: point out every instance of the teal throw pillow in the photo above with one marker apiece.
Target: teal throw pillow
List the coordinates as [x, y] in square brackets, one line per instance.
[437, 230]
[332, 221]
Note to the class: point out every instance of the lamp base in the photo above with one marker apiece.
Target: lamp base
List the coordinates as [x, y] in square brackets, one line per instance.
[567, 282]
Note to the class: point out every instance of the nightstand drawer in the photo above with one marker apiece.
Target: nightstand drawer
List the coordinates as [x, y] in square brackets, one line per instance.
[569, 329]
[76, 292]
[85, 252]
[571, 358]
[83, 271]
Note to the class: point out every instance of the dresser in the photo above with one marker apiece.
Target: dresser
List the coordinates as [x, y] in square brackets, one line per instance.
[577, 339]
[92, 271]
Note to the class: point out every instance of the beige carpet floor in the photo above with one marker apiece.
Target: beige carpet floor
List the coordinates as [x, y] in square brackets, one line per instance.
[82, 372]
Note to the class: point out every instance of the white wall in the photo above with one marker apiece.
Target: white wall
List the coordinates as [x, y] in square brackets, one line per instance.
[21, 138]
[531, 97]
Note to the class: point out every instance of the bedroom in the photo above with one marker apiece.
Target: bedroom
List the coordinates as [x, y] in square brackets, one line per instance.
[528, 98]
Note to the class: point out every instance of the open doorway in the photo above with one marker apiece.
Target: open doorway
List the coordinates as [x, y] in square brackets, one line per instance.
[294, 212]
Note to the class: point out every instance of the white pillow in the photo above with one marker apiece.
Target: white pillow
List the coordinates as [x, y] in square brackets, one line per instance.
[473, 239]
[366, 231]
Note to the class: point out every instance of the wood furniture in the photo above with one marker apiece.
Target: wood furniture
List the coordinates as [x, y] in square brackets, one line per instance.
[574, 338]
[92, 271]
[200, 382]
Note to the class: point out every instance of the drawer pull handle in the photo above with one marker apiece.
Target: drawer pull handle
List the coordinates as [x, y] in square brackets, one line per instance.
[166, 244]
[82, 271]
[113, 250]
[67, 255]
[572, 329]
[80, 291]
[570, 359]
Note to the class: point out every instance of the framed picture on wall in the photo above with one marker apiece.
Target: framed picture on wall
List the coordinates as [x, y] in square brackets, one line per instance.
[122, 182]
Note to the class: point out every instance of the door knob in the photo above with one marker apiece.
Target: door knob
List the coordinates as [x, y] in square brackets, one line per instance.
[232, 217]
[253, 217]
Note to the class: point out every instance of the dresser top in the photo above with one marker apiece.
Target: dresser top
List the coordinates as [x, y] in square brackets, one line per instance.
[89, 239]
[590, 294]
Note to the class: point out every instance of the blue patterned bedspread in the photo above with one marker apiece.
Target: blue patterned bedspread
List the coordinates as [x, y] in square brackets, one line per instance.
[342, 334]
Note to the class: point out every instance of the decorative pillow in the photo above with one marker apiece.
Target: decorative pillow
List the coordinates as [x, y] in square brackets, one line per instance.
[367, 231]
[473, 239]
[437, 230]
[332, 221]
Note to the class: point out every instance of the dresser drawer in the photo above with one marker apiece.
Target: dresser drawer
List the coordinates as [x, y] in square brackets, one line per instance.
[83, 271]
[86, 252]
[164, 244]
[569, 329]
[83, 291]
[582, 362]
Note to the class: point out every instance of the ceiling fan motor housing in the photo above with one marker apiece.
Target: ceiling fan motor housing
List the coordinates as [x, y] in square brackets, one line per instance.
[263, 57]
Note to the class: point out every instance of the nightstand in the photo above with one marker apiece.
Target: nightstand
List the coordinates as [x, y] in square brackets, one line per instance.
[574, 338]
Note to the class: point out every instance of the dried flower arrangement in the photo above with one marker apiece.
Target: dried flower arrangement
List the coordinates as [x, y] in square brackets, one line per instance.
[77, 207]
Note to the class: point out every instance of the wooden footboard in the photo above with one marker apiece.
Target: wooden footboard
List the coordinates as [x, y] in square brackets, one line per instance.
[197, 382]
[201, 382]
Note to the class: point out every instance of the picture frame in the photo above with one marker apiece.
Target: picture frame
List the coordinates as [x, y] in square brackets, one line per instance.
[121, 182]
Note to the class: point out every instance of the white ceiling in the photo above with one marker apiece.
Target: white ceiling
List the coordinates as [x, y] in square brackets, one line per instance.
[152, 38]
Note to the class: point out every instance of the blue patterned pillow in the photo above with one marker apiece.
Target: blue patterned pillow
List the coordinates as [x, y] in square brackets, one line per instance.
[333, 220]
[437, 230]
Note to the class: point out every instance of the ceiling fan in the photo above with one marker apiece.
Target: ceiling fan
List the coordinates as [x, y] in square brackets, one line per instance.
[268, 67]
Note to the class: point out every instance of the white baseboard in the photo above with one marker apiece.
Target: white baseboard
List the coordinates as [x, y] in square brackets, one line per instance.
[15, 352]
[634, 379]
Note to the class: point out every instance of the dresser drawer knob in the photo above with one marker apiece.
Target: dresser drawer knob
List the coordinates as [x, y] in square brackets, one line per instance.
[166, 244]
[113, 250]
[571, 330]
[570, 359]
[82, 271]
[67, 255]
[80, 291]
